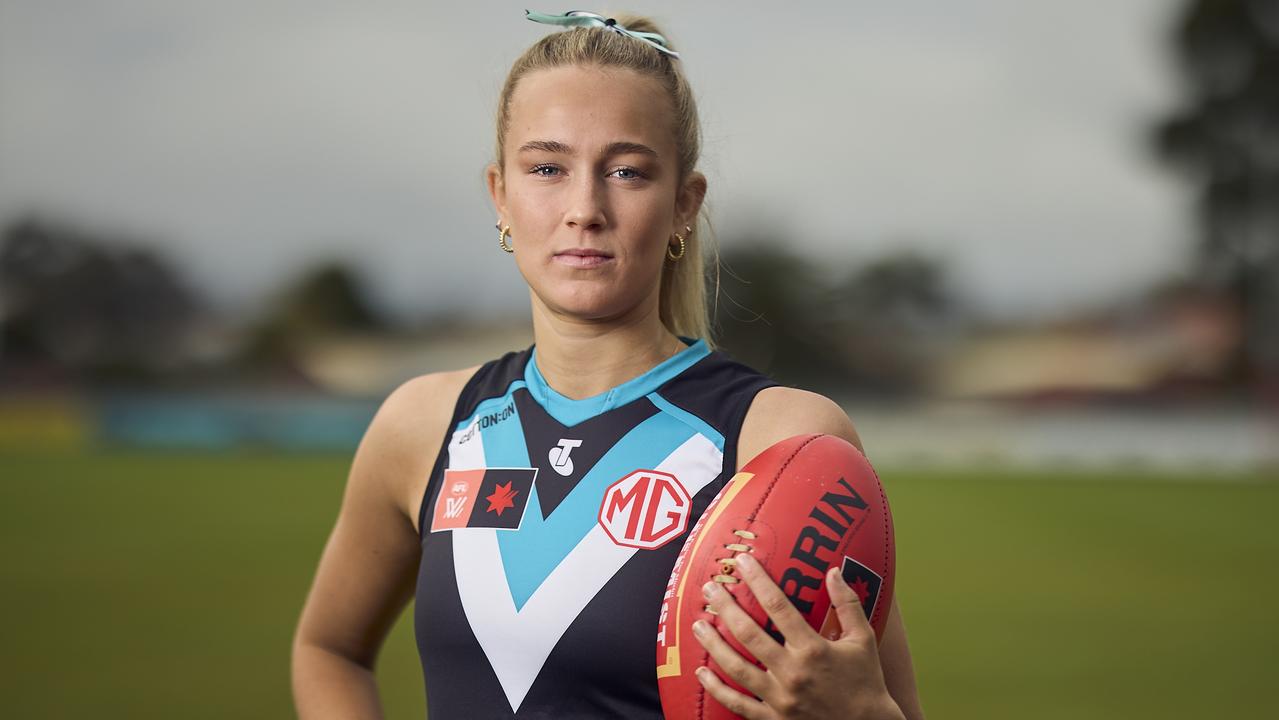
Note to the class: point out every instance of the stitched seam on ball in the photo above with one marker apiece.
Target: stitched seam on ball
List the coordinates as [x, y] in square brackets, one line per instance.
[883, 502]
[701, 689]
[780, 471]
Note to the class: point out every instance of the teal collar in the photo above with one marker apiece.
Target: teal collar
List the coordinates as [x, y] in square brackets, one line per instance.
[569, 412]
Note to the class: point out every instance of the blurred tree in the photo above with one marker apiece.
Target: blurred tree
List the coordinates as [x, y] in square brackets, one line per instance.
[892, 315]
[904, 291]
[1226, 137]
[873, 333]
[771, 313]
[67, 298]
[326, 300]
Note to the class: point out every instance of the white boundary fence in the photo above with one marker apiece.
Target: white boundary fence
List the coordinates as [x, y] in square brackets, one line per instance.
[1196, 441]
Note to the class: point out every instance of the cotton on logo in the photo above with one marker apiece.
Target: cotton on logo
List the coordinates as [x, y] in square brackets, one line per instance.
[645, 509]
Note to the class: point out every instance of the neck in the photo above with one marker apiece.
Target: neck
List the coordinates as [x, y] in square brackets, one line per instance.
[580, 359]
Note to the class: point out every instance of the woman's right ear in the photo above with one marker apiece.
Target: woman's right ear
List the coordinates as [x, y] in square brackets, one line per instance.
[497, 188]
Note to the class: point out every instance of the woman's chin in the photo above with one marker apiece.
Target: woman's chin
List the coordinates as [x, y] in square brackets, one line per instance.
[590, 307]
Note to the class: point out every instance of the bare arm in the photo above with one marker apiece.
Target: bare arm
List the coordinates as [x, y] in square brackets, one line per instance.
[780, 412]
[899, 671]
[367, 572]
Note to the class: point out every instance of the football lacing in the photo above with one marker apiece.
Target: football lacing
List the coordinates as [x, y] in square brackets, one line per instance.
[728, 564]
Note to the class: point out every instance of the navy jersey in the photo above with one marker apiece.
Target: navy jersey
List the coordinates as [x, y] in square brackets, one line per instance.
[550, 527]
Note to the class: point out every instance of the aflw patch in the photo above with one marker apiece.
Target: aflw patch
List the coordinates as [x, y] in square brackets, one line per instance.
[483, 498]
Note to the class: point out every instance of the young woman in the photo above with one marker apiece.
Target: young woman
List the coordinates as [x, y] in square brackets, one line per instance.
[502, 497]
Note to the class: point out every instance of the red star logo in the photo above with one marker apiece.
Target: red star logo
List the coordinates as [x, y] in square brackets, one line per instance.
[503, 497]
[862, 588]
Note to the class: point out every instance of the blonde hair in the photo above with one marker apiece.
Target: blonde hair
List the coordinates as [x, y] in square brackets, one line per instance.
[682, 297]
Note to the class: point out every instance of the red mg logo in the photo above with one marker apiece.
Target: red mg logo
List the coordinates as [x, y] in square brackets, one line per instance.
[645, 509]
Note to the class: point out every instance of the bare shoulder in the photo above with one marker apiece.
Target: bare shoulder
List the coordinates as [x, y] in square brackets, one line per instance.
[405, 435]
[368, 568]
[779, 412]
[420, 402]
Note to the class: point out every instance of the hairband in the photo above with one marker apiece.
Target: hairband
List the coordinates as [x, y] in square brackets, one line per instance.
[581, 18]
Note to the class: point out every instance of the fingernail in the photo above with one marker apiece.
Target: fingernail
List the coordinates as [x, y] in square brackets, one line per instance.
[838, 577]
[745, 561]
[702, 673]
[709, 589]
[700, 627]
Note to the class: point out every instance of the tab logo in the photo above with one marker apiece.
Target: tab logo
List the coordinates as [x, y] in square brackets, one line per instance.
[560, 461]
[645, 510]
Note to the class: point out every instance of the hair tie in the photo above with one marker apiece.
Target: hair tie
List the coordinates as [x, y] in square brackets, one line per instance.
[581, 18]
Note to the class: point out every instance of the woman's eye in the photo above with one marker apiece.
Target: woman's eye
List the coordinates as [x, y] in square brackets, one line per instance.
[626, 173]
[545, 170]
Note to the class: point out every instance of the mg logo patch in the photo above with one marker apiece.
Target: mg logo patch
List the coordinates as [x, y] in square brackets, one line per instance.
[645, 510]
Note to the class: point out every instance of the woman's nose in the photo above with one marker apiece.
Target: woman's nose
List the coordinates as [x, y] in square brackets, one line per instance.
[586, 209]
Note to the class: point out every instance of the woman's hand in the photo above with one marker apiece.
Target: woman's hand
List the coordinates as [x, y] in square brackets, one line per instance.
[809, 676]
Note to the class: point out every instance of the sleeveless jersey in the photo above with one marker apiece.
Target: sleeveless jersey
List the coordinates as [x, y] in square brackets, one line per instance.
[550, 527]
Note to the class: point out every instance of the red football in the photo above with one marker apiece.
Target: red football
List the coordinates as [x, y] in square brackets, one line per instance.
[804, 505]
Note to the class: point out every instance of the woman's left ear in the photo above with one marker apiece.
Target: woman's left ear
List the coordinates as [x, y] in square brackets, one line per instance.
[496, 187]
[689, 200]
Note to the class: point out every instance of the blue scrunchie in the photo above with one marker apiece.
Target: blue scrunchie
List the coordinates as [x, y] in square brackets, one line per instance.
[581, 18]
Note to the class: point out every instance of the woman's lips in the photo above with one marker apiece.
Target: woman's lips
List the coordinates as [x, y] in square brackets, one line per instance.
[582, 258]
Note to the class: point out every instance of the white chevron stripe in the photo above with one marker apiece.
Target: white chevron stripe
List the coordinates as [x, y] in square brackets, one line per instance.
[466, 448]
[517, 643]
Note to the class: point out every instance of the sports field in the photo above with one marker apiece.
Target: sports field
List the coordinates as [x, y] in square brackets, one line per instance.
[168, 585]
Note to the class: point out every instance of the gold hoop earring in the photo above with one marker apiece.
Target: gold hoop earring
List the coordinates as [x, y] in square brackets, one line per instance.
[501, 239]
[682, 247]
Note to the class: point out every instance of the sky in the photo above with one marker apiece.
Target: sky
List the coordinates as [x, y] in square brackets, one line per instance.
[250, 140]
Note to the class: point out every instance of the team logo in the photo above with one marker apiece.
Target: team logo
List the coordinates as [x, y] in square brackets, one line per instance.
[645, 510]
[866, 583]
[560, 461]
[485, 498]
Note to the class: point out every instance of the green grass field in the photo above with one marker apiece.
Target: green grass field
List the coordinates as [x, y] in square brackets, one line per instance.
[168, 585]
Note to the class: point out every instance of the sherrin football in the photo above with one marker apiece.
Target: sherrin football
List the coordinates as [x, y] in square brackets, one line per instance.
[804, 505]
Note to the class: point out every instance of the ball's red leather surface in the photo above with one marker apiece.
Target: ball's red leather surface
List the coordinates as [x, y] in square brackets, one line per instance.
[811, 502]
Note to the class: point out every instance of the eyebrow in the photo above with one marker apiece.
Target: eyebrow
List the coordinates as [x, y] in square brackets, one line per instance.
[614, 148]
